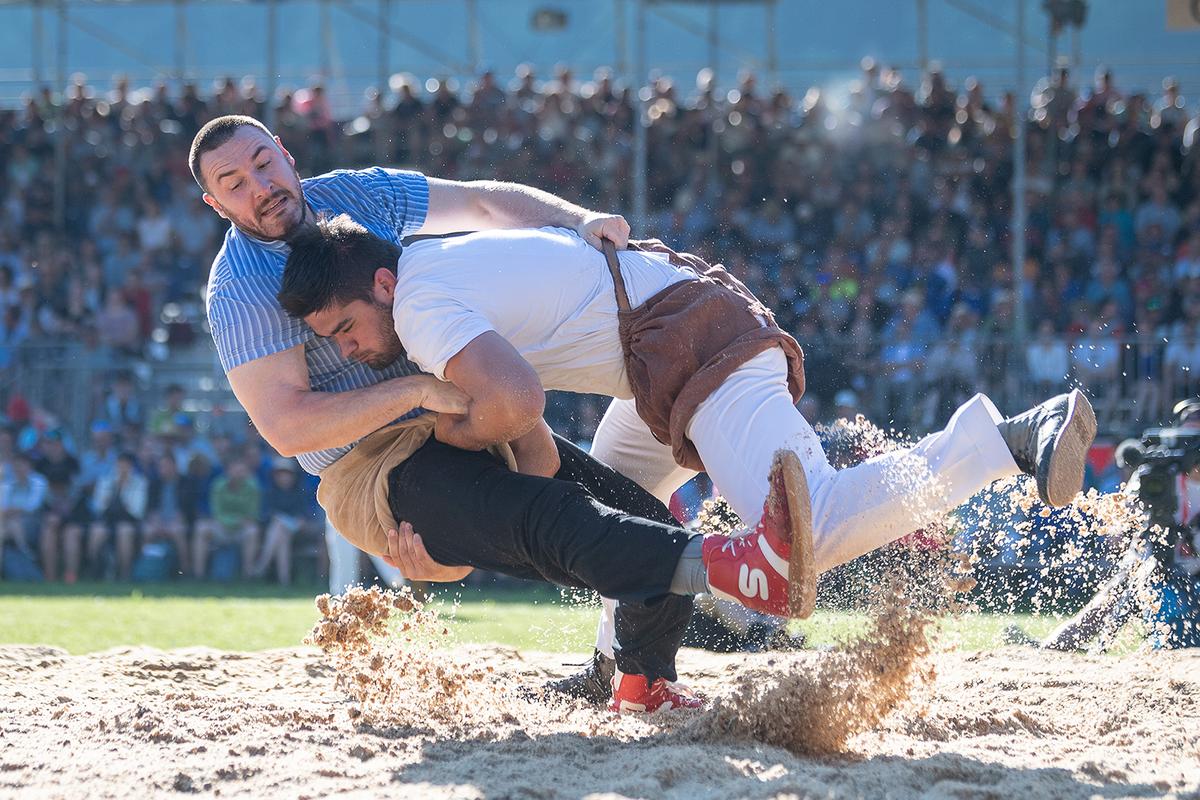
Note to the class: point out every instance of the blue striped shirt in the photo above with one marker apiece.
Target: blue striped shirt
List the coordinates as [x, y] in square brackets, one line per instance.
[246, 319]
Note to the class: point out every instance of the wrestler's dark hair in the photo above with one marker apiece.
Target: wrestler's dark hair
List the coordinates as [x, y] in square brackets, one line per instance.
[215, 133]
[332, 263]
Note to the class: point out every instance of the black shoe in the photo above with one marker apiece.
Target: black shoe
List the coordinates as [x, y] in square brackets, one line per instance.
[593, 683]
[1050, 442]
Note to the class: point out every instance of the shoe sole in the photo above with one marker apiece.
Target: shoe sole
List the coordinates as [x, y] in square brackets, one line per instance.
[802, 564]
[1064, 478]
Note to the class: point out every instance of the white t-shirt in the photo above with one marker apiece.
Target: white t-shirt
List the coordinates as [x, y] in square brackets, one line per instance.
[545, 290]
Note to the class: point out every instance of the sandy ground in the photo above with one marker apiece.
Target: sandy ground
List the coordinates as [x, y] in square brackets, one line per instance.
[1010, 723]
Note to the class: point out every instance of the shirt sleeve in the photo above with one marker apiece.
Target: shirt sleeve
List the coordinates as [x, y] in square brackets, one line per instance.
[435, 328]
[248, 323]
[403, 197]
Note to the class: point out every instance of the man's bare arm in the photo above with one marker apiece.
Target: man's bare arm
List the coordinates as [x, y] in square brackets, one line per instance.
[536, 453]
[506, 395]
[482, 205]
[276, 394]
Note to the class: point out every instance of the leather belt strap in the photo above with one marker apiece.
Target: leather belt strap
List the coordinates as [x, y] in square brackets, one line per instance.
[614, 267]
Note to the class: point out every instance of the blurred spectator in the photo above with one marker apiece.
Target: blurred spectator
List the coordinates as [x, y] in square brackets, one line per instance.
[122, 406]
[1182, 359]
[172, 508]
[952, 376]
[287, 511]
[62, 531]
[1047, 360]
[101, 458]
[117, 325]
[163, 420]
[1095, 359]
[187, 443]
[235, 501]
[118, 507]
[22, 498]
[845, 405]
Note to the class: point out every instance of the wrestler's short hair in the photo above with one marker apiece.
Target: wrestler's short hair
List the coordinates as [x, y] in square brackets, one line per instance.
[332, 262]
[215, 133]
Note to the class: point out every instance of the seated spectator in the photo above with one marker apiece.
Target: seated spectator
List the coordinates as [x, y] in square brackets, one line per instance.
[235, 501]
[845, 405]
[287, 511]
[60, 525]
[171, 509]
[153, 228]
[187, 443]
[952, 372]
[99, 459]
[162, 421]
[121, 406]
[1096, 360]
[118, 507]
[14, 332]
[22, 497]
[1047, 361]
[117, 325]
[1158, 211]
[1182, 362]
[902, 361]
[917, 322]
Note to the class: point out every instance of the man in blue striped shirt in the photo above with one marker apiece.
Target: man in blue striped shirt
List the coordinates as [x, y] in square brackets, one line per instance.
[302, 394]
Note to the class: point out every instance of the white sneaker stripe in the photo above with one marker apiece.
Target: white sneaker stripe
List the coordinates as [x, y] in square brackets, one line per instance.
[778, 564]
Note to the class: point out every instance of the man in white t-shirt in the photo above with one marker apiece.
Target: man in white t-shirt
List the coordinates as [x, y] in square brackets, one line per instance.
[507, 314]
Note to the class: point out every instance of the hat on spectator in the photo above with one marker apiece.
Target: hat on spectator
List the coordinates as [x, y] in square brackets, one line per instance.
[846, 398]
[101, 426]
[282, 464]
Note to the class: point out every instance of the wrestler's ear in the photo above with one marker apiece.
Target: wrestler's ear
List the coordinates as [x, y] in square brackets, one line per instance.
[385, 285]
[285, 152]
[214, 205]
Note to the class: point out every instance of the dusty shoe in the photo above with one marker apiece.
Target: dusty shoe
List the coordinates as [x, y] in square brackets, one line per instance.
[770, 568]
[1050, 442]
[592, 684]
[635, 693]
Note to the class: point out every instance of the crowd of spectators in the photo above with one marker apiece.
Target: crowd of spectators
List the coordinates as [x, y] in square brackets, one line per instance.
[874, 218]
[150, 496]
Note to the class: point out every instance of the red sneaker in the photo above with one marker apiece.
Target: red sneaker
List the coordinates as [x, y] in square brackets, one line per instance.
[770, 568]
[634, 693]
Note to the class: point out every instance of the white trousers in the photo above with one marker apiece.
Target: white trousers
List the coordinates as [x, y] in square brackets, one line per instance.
[344, 563]
[738, 428]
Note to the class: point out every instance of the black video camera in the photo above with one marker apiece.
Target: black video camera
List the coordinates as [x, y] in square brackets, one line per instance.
[1160, 457]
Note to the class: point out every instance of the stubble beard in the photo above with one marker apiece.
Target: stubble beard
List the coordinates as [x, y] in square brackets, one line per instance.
[393, 347]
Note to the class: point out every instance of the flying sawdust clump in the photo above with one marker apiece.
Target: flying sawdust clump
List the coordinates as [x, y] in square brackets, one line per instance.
[818, 709]
[390, 653]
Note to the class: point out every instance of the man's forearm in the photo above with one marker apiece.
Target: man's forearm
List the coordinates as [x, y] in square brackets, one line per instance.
[323, 420]
[536, 453]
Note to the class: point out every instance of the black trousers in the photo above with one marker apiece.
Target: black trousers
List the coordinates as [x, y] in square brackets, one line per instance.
[588, 527]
